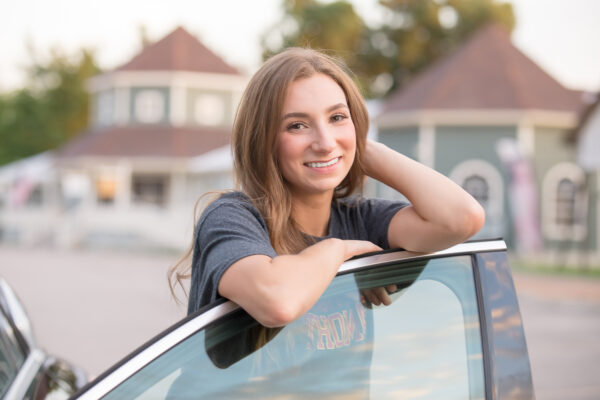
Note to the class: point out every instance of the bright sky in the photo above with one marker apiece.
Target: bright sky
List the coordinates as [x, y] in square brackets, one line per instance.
[560, 35]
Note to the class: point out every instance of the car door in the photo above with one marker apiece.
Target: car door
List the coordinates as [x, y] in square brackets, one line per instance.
[452, 330]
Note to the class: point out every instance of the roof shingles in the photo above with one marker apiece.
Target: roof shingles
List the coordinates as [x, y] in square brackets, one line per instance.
[146, 141]
[487, 72]
[178, 51]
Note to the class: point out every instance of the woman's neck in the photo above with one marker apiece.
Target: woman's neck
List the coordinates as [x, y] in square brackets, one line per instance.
[312, 213]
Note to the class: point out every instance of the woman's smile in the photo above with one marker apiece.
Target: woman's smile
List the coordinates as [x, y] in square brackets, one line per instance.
[323, 164]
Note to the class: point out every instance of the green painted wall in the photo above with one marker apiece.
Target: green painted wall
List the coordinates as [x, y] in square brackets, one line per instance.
[455, 144]
[552, 148]
[594, 209]
[403, 140]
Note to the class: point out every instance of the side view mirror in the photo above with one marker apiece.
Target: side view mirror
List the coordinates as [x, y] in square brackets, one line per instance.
[59, 380]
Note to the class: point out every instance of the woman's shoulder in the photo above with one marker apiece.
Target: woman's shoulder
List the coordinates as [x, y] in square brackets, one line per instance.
[229, 200]
[231, 197]
[228, 205]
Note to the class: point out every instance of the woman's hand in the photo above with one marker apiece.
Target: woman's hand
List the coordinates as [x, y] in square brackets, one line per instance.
[358, 247]
[378, 295]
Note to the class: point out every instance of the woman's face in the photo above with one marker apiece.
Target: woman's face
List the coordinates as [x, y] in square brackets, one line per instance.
[317, 140]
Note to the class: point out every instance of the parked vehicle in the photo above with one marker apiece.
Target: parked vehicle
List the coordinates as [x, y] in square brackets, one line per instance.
[26, 372]
[452, 331]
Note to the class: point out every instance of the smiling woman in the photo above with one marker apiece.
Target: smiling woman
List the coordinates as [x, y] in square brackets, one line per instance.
[300, 154]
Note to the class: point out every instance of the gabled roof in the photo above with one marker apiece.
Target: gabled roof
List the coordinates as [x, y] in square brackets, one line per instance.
[487, 72]
[146, 141]
[178, 51]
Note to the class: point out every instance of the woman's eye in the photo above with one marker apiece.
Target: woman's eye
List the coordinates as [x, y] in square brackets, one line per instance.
[295, 126]
[338, 117]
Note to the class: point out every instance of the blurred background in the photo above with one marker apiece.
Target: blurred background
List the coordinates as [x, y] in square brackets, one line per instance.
[115, 117]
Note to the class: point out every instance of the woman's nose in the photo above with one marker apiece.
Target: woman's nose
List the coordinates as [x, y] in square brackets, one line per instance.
[324, 140]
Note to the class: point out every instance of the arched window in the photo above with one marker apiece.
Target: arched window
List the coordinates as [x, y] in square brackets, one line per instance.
[564, 203]
[566, 193]
[483, 181]
[479, 188]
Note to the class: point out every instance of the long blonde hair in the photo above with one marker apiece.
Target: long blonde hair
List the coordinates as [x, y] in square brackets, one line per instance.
[255, 131]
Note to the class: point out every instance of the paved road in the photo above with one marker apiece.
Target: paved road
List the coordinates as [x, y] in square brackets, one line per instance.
[561, 317]
[94, 307]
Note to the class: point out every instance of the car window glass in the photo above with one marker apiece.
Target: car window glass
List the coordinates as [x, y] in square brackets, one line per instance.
[425, 345]
[11, 357]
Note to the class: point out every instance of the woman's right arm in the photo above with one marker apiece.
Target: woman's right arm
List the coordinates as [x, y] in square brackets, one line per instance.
[277, 291]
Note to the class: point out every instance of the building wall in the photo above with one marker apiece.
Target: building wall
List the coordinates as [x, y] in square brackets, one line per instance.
[460, 150]
[594, 213]
[404, 140]
[554, 158]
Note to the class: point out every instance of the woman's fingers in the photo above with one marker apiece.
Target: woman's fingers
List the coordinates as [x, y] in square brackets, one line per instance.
[391, 288]
[357, 247]
[377, 296]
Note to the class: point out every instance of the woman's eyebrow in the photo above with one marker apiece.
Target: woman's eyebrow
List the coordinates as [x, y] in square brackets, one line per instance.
[305, 115]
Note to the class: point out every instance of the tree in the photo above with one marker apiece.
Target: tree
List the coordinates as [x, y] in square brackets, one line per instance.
[51, 109]
[333, 27]
[413, 34]
[421, 31]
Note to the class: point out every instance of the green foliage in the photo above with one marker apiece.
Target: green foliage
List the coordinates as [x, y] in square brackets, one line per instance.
[51, 109]
[412, 35]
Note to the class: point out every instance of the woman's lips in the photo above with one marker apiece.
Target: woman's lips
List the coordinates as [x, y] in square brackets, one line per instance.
[323, 164]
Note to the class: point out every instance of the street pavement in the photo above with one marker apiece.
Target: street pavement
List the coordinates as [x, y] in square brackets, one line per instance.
[94, 307]
[561, 318]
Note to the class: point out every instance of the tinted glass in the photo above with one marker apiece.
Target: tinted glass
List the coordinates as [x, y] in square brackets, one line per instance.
[425, 345]
[11, 355]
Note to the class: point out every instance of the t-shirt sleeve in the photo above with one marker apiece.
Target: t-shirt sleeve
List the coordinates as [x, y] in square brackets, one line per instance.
[376, 215]
[225, 234]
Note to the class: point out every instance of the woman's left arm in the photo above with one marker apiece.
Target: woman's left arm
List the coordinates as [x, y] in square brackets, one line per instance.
[441, 213]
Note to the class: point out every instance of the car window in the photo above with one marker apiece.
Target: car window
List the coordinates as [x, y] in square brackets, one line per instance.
[426, 345]
[11, 356]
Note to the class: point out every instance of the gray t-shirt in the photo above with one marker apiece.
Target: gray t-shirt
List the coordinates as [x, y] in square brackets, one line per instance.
[231, 228]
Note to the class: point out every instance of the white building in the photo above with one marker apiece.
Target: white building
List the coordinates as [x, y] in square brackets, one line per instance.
[159, 139]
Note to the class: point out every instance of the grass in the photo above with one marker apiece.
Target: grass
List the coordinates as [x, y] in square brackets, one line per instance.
[556, 270]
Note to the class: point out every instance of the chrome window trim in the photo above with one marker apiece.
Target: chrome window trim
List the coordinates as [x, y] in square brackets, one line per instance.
[471, 247]
[170, 340]
[25, 376]
[155, 350]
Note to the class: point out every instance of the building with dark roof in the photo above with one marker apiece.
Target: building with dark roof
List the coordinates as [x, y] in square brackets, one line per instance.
[497, 124]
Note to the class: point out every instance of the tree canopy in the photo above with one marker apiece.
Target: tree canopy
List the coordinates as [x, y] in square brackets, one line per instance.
[50, 109]
[411, 35]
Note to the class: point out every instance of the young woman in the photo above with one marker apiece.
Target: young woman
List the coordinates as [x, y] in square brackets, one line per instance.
[300, 150]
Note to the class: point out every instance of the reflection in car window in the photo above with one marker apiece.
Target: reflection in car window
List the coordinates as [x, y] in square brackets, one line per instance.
[11, 357]
[425, 345]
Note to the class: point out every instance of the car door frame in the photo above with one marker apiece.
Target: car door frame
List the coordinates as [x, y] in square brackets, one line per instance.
[504, 377]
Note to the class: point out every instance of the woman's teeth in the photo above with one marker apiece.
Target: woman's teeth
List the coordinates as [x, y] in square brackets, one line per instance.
[323, 164]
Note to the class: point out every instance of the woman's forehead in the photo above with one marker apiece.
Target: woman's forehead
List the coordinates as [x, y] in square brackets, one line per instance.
[316, 92]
